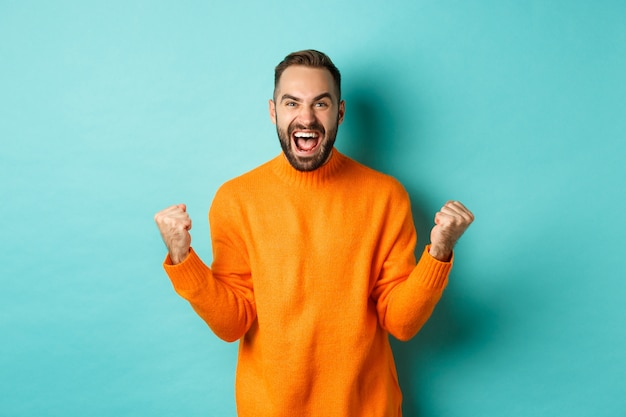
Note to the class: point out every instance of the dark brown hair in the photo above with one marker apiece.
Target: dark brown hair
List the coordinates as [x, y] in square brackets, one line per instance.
[309, 58]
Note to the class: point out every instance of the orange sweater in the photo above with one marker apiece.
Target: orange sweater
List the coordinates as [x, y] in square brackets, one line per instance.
[312, 271]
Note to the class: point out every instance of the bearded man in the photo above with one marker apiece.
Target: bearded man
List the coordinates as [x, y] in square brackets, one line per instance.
[313, 263]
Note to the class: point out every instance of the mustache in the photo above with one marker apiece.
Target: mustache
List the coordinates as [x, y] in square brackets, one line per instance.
[312, 126]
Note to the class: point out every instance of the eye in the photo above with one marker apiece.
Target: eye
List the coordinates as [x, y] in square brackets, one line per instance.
[321, 104]
[290, 104]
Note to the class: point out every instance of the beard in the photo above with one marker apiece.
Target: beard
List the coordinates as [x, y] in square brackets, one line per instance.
[327, 142]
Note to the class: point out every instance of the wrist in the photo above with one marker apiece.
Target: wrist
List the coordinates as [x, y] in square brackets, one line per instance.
[179, 256]
[440, 253]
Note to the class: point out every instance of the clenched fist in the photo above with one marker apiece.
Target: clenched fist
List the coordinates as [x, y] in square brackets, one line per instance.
[450, 223]
[174, 224]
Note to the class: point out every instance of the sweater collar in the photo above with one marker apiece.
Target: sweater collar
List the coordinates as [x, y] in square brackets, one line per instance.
[320, 176]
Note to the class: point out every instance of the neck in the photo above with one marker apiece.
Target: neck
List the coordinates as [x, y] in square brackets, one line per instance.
[313, 178]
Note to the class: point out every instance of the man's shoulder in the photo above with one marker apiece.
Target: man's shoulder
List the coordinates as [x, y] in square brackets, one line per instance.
[369, 177]
[246, 181]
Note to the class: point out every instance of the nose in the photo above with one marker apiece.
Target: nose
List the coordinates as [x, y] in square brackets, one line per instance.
[307, 115]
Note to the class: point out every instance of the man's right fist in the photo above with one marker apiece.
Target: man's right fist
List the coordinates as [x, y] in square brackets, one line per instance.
[174, 224]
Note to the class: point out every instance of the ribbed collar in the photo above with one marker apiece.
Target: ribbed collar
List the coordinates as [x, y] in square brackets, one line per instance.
[283, 169]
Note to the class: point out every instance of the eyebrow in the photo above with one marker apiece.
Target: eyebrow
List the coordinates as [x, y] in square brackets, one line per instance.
[290, 97]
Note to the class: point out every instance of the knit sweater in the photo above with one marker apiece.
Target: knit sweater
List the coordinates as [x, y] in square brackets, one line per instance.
[311, 272]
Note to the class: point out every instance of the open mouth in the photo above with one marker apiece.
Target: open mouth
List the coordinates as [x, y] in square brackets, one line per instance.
[306, 142]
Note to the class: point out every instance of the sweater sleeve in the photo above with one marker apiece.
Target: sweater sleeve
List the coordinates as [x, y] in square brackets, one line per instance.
[227, 308]
[412, 301]
[406, 293]
[222, 295]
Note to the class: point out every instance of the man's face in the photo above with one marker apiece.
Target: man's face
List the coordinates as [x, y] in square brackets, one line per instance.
[307, 113]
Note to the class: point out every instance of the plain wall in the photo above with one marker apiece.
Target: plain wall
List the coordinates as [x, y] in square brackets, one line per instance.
[110, 111]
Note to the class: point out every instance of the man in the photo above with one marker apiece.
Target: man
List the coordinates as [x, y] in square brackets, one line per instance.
[313, 263]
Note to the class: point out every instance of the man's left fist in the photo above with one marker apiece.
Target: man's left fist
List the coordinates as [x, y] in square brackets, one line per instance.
[450, 223]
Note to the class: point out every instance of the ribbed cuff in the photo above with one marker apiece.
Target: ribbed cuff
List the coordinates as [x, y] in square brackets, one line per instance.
[433, 272]
[189, 274]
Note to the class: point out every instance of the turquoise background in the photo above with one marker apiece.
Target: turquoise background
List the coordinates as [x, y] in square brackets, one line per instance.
[110, 111]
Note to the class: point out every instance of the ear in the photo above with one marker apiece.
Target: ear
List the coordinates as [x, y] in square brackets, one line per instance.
[342, 111]
[272, 109]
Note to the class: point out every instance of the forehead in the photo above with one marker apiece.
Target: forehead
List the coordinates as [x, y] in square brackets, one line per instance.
[302, 81]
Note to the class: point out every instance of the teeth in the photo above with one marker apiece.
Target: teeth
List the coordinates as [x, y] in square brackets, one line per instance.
[305, 135]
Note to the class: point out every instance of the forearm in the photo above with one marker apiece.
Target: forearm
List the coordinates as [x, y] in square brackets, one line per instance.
[227, 309]
[411, 302]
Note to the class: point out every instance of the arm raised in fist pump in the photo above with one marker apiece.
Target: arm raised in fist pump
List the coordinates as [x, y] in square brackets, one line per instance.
[450, 223]
[174, 224]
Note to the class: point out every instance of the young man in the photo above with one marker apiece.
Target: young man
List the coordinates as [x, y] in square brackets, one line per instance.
[313, 263]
